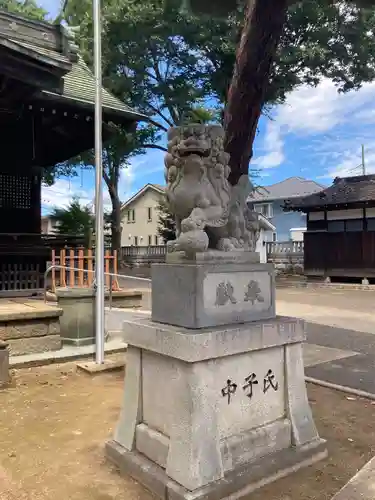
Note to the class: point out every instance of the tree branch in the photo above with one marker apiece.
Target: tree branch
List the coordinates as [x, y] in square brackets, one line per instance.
[106, 178]
[154, 146]
[159, 113]
[150, 75]
[157, 125]
[162, 83]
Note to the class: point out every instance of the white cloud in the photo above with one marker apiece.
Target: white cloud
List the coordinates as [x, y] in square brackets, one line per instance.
[310, 110]
[350, 163]
[149, 163]
[336, 124]
[365, 117]
[62, 192]
[273, 143]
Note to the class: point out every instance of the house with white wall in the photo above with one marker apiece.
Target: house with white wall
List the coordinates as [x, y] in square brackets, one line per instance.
[48, 226]
[140, 216]
[267, 229]
[269, 201]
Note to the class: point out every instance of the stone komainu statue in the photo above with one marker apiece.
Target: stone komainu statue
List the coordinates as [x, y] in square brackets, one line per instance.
[209, 212]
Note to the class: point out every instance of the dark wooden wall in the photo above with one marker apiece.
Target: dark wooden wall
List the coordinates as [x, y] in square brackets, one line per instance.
[350, 254]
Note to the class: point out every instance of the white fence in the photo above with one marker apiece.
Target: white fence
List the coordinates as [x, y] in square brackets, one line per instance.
[279, 252]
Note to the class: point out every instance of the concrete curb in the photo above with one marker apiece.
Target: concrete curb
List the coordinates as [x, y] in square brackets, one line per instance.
[360, 486]
[15, 363]
[333, 286]
[342, 388]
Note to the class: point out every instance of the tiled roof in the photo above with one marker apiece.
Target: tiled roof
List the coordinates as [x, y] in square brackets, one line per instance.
[53, 46]
[79, 87]
[156, 187]
[42, 52]
[343, 191]
[288, 188]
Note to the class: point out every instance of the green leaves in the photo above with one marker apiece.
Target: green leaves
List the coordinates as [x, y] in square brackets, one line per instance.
[78, 220]
[321, 39]
[166, 223]
[27, 8]
[149, 57]
[75, 220]
[217, 8]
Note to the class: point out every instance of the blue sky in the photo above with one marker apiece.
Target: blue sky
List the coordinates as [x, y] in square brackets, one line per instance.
[317, 134]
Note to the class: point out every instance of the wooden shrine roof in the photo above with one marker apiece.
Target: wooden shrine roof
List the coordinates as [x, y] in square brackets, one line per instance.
[78, 88]
[49, 50]
[343, 191]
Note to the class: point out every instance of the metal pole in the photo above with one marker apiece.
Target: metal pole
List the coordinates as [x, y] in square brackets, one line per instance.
[363, 160]
[99, 234]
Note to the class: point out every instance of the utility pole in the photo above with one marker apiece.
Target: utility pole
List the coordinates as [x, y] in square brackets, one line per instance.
[363, 160]
[99, 236]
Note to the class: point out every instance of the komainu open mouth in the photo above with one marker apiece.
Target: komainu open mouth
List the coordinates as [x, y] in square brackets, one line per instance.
[187, 151]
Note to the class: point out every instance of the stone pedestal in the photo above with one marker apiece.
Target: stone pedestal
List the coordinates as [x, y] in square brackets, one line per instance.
[124, 299]
[216, 411]
[212, 293]
[77, 323]
[4, 364]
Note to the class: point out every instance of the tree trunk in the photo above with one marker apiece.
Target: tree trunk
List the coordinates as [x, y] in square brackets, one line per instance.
[261, 33]
[115, 223]
[111, 176]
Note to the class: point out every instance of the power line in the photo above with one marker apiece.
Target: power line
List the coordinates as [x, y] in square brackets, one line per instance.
[362, 165]
[363, 160]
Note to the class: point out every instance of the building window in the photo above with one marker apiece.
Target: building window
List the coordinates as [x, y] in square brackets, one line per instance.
[149, 240]
[136, 241]
[355, 225]
[337, 226]
[266, 209]
[156, 240]
[131, 215]
[274, 236]
[370, 224]
[316, 225]
[149, 214]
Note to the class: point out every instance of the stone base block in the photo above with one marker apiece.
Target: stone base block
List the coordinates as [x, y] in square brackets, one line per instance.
[209, 294]
[235, 484]
[109, 365]
[77, 323]
[125, 299]
[206, 405]
[78, 342]
[20, 328]
[4, 364]
[33, 345]
[213, 257]
[28, 330]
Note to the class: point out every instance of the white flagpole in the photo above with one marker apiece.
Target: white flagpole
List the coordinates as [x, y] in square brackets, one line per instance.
[99, 230]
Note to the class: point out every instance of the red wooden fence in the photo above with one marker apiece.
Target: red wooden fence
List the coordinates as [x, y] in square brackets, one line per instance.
[78, 265]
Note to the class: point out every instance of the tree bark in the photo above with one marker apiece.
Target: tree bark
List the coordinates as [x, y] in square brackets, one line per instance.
[115, 223]
[261, 33]
[112, 180]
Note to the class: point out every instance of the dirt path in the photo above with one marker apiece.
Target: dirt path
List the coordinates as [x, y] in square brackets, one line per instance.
[52, 430]
[54, 423]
